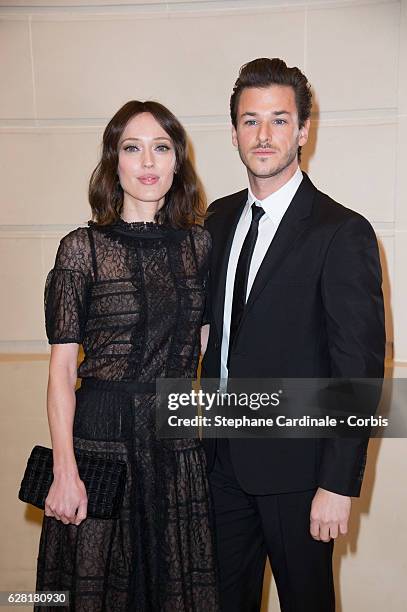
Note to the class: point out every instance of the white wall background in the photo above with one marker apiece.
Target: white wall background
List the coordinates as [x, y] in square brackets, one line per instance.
[66, 67]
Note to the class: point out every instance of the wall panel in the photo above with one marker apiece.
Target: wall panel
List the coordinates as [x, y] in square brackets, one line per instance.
[17, 95]
[97, 65]
[356, 164]
[45, 175]
[22, 277]
[352, 55]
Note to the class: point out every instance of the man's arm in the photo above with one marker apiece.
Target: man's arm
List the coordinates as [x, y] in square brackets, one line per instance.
[353, 303]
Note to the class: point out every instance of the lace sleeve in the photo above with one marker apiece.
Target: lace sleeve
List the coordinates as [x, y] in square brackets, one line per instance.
[206, 317]
[66, 290]
[203, 247]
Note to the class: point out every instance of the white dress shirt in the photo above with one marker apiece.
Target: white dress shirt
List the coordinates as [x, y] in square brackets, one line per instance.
[275, 206]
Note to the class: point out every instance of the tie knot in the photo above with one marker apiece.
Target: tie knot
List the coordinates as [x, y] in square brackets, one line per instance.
[257, 212]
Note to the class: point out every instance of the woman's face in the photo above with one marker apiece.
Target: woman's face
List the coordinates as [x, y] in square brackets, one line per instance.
[146, 161]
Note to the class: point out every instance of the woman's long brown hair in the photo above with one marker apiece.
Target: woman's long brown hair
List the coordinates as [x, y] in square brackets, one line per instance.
[184, 203]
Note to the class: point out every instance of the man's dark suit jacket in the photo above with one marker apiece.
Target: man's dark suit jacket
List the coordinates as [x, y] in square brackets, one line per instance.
[315, 310]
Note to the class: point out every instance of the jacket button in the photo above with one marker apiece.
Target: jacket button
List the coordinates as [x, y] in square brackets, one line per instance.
[216, 344]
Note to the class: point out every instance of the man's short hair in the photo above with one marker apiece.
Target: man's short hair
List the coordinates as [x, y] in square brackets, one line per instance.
[263, 72]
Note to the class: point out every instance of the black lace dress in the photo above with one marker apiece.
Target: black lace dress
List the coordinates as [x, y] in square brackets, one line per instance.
[133, 295]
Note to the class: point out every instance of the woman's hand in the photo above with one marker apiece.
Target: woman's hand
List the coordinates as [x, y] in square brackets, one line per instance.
[67, 500]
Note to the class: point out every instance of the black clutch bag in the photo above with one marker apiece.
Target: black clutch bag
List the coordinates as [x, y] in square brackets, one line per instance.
[104, 480]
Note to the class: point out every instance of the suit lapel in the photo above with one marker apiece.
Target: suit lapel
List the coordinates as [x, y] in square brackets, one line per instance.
[295, 221]
[225, 230]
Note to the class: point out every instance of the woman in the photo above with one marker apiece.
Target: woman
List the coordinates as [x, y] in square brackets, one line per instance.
[131, 289]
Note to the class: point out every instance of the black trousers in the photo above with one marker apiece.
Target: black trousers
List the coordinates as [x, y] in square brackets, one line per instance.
[250, 528]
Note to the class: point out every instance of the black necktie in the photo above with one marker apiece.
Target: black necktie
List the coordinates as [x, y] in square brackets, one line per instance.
[242, 274]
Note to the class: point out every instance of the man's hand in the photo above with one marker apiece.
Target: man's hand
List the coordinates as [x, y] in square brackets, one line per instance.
[329, 515]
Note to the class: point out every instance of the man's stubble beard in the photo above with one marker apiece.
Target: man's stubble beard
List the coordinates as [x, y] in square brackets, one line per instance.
[290, 157]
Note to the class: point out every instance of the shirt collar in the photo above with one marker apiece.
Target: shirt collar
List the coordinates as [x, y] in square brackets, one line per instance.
[276, 204]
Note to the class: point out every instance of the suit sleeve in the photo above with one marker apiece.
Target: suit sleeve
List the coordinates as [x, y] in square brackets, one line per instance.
[353, 303]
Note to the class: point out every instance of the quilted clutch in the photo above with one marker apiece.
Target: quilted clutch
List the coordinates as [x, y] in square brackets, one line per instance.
[104, 480]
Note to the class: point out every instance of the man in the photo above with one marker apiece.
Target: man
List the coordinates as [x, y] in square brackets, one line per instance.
[295, 292]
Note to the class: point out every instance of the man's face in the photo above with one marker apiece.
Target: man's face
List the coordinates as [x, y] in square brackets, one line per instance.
[267, 133]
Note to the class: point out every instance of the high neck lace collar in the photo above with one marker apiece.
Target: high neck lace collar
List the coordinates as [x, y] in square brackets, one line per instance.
[147, 232]
[139, 226]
